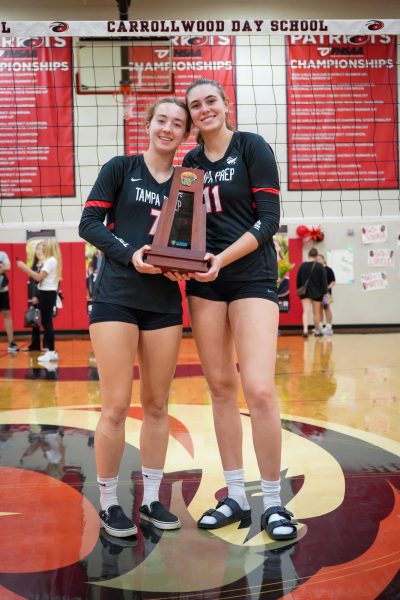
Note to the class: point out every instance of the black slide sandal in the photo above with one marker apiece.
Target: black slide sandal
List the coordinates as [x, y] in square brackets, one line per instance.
[237, 515]
[286, 521]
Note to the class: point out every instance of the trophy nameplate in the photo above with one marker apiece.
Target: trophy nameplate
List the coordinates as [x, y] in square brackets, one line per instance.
[179, 243]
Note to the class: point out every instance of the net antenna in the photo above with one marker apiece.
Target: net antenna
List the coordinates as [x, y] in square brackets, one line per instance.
[123, 8]
[124, 96]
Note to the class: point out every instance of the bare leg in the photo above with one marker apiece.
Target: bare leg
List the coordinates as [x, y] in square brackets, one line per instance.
[8, 325]
[328, 315]
[114, 345]
[214, 343]
[306, 305]
[158, 355]
[212, 332]
[254, 323]
[317, 314]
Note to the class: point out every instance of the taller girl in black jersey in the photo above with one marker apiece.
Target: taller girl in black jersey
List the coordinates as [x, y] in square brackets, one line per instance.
[136, 310]
[234, 306]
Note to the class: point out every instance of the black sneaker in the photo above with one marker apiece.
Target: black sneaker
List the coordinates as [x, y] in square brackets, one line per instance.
[157, 514]
[116, 523]
[13, 348]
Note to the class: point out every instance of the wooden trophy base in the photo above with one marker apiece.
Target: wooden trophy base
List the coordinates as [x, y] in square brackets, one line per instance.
[183, 264]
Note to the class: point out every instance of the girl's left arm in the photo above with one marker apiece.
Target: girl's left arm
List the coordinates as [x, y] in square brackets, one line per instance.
[264, 181]
[265, 188]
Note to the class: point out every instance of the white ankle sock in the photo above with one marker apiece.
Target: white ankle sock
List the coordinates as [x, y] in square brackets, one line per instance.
[236, 487]
[151, 484]
[236, 490]
[108, 491]
[271, 497]
[271, 491]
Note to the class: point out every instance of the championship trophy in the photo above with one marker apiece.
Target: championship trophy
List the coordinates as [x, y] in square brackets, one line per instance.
[179, 243]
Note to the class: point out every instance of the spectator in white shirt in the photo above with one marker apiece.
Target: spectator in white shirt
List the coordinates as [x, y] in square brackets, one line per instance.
[48, 279]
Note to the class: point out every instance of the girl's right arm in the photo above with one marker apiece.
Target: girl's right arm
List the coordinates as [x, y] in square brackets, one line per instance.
[98, 206]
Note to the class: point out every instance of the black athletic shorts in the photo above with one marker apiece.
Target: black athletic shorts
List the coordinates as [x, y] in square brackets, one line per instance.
[228, 291]
[144, 319]
[4, 301]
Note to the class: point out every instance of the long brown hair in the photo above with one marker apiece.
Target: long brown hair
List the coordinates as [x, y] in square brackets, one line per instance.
[221, 93]
[151, 110]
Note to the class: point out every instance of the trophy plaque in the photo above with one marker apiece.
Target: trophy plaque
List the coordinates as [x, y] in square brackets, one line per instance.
[179, 243]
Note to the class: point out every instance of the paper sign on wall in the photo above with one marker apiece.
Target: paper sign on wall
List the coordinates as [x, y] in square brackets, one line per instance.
[374, 234]
[374, 281]
[381, 257]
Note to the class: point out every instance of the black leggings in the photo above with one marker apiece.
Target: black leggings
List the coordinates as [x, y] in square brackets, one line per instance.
[47, 301]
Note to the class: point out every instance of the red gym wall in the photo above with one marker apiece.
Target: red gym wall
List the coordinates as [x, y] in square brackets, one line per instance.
[73, 315]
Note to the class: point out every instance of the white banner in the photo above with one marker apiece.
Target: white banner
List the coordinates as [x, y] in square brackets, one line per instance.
[308, 27]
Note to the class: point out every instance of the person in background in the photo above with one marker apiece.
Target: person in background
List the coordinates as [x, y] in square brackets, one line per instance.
[136, 311]
[327, 299]
[313, 273]
[5, 302]
[234, 305]
[33, 295]
[48, 279]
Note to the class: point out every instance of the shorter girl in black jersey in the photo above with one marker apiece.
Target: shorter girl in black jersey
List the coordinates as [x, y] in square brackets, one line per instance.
[135, 310]
[235, 305]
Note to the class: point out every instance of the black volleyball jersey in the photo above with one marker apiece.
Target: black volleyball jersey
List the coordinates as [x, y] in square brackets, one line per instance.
[130, 199]
[241, 193]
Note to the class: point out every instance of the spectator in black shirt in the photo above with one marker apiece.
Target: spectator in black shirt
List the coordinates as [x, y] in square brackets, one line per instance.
[312, 273]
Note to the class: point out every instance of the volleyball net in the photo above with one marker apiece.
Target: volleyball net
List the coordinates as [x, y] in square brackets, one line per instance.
[324, 95]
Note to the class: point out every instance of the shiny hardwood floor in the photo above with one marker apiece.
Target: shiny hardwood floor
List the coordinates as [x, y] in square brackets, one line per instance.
[340, 405]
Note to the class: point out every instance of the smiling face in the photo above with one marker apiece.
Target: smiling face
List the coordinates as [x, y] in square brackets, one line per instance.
[167, 127]
[208, 108]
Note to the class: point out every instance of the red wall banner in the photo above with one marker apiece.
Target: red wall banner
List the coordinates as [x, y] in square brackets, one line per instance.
[342, 112]
[36, 133]
[192, 57]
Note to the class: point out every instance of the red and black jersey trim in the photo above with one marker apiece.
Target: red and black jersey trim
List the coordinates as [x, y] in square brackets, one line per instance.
[98, 203]
[262, 189]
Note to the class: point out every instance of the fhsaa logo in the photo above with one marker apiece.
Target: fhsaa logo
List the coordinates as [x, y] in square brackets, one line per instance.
[231, 160]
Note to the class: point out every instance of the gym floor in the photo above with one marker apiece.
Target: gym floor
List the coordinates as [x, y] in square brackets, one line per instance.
[340, 404]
